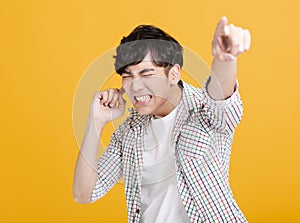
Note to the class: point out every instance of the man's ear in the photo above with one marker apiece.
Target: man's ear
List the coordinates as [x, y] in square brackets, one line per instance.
[174, 74]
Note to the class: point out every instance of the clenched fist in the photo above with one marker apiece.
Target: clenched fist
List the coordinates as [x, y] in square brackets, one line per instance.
[107, 105]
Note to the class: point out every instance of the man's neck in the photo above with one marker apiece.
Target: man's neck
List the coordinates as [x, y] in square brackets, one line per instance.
[172, 101]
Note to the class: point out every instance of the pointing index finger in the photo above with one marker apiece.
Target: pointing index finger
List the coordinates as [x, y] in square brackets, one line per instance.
[221, 27]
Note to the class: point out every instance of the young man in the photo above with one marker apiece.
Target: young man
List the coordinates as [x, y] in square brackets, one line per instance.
[174, 149]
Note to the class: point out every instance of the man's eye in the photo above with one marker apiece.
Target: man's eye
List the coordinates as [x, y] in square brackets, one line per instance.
[147, 75]
[124, 77]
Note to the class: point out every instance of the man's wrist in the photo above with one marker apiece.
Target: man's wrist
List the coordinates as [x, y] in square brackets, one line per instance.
[96, 124]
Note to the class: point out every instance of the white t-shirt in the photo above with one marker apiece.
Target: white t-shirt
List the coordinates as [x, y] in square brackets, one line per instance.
[161, 202]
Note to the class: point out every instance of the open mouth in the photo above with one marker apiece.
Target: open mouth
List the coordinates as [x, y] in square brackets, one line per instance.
[143, 98]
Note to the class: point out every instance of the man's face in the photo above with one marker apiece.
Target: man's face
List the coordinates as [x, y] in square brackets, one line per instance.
[147, 87]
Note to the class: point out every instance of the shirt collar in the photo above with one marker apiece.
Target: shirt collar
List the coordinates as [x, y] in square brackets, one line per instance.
[137, 119]
[191, 97]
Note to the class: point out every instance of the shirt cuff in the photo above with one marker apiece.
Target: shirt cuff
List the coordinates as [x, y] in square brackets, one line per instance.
[221, 104]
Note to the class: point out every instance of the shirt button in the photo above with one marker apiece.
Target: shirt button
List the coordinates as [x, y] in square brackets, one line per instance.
[137, 211]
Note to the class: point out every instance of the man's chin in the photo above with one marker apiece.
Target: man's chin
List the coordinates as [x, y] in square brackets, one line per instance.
[143, 110]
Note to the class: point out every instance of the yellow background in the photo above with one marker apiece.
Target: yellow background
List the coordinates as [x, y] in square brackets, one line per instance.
[47, 45]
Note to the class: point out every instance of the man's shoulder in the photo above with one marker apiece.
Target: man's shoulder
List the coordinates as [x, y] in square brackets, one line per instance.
[192, 96]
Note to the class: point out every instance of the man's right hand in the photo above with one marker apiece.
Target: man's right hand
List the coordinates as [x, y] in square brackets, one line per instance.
[107, 105]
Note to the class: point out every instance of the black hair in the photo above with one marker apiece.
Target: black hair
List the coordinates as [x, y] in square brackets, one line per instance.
[165, 50]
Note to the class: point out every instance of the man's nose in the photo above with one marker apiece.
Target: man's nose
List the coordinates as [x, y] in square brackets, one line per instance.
[137, 84]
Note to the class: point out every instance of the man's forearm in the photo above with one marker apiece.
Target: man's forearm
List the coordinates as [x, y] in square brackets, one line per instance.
[90, 143]
[229, 41]
[85, 175]
[223, 79]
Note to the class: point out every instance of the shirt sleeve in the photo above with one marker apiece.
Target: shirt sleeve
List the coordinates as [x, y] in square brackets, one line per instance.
[109, 166]
[223, 115]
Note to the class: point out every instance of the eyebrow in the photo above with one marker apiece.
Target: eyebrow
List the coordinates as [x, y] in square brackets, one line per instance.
[141, 72]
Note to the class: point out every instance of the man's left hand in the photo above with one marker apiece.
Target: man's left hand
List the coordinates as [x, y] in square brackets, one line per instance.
[229, 41]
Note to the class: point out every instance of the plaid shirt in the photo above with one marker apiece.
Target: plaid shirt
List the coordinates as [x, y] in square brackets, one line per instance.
[202, 137]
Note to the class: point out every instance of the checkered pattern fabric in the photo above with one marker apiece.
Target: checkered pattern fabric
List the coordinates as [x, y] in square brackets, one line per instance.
[202, 137]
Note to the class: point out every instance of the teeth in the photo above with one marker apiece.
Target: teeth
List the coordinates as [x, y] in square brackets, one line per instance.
[144, 98]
